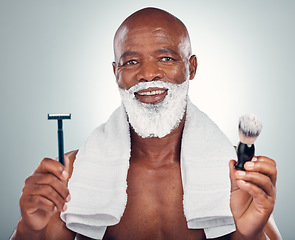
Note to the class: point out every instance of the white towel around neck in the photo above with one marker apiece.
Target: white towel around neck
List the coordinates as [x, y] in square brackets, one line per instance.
[98, 184]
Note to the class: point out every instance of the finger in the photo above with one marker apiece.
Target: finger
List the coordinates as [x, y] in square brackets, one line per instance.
[67, 166]
[47, 192]
[48, 179]
[232, 175]
[267, 160]
[66, 175]
[66, 170]
[48, 165]
[258, 179]
[263, 166]
[264, 201]
[33, 203]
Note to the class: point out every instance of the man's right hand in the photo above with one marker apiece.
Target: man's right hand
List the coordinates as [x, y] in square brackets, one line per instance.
[44, 194]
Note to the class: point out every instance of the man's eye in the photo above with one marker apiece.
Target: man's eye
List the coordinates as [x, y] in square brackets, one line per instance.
[166, 59]
[131, 62]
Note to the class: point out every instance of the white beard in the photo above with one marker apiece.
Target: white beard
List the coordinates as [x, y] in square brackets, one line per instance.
[155, 119]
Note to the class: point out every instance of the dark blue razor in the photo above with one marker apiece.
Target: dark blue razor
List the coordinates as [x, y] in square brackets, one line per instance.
[60, 137]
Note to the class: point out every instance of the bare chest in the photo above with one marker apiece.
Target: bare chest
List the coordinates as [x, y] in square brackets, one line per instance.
[154, 207]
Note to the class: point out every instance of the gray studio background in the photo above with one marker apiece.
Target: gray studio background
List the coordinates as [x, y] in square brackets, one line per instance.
[55, 57]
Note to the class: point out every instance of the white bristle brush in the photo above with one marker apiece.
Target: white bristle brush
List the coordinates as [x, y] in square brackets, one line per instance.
[249, 129]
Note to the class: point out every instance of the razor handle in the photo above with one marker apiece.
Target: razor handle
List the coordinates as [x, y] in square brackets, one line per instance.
[60, 138]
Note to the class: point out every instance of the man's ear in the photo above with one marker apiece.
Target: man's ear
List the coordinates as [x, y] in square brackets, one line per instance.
[193, 64]
[114, 67]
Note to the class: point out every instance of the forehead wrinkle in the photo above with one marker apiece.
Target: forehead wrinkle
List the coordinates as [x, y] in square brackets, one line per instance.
[128, 54]
[166, 50]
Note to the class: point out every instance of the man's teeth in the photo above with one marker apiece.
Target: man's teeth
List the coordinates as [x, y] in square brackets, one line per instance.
[156, 92]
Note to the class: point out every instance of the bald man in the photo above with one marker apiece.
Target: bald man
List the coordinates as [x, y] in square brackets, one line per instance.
[153, 63]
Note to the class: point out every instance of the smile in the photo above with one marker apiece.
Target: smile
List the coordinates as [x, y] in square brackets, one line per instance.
[150, 93]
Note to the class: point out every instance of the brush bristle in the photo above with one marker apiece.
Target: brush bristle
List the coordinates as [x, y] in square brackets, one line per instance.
[249, 128]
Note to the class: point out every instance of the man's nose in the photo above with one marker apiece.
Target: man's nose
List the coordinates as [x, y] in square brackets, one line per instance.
[149, 72]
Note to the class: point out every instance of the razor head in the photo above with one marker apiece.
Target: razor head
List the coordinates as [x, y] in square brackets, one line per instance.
[55, 116]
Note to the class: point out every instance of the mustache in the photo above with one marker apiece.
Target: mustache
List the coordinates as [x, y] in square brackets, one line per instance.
[145, 85]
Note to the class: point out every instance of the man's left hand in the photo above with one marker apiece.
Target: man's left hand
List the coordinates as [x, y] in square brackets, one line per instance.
[253, 194]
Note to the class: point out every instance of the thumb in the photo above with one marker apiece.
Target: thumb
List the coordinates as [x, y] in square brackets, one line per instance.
[66, 170]
[232, 175]
[67, 165]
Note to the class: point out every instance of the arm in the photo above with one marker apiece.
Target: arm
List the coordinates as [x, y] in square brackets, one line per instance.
[44, 196]
[253, 194]
[272, 230]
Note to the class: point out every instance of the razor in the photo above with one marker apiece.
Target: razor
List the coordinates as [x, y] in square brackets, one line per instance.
[59, 118]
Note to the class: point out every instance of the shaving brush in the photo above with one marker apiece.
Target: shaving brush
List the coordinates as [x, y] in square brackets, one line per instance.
[249, 129]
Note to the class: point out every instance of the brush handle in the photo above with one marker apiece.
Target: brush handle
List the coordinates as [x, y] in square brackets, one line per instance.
[245, 152]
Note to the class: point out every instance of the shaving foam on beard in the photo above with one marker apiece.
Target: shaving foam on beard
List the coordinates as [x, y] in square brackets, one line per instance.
[249, 129]
[155, 119]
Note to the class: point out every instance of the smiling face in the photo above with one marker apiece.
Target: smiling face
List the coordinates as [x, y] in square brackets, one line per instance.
[152, 65]
[152, 45]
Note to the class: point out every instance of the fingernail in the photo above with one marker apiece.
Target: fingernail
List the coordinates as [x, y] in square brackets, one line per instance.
[254, 159]
[68, 198]
[249, 164]
[65, 175]
[64, 208]
[241, 173]
[242, 181]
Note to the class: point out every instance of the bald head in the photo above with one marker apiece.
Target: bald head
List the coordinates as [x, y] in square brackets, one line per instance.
[153, 19]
